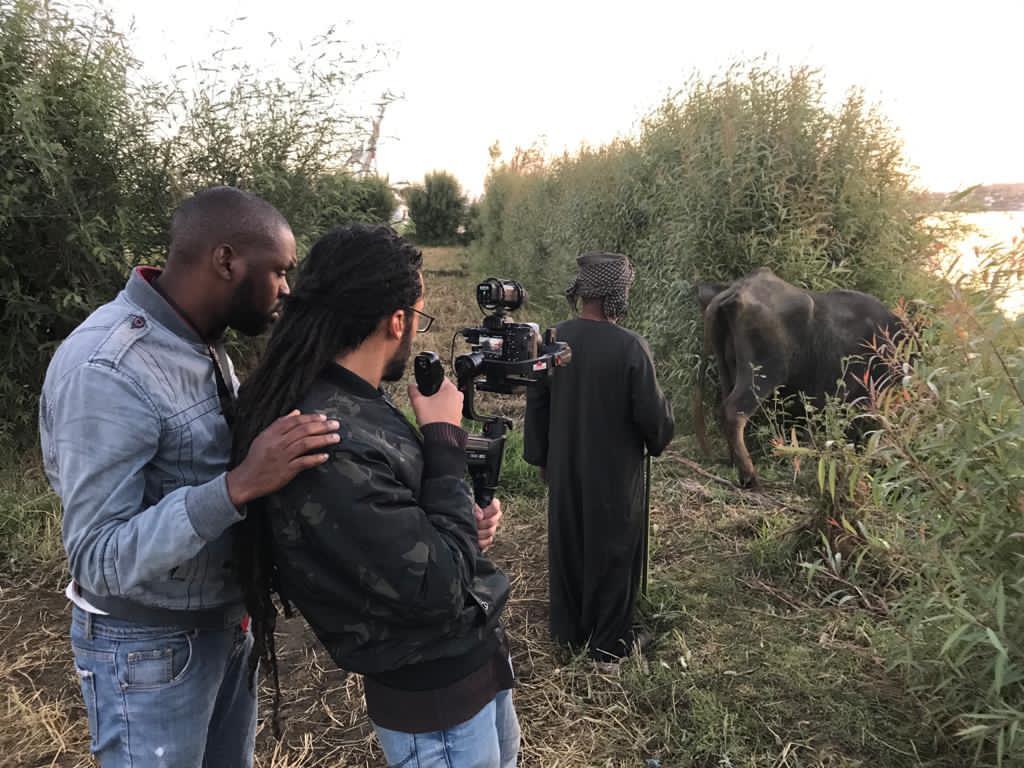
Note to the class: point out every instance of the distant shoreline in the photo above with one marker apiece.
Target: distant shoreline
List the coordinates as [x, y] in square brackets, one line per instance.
[977, 199]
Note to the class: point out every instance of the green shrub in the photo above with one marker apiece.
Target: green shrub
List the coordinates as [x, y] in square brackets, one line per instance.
[750, 169]
[471, 229]
[437, 209]
[30, 513]
[921, 523]
[81, 193]
[93, 162]
[934, 503]
[236, 126]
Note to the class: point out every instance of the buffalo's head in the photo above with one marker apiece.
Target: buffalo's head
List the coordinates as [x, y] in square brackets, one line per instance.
[707, 291]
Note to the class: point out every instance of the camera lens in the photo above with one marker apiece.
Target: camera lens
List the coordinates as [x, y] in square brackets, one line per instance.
[467, 366]
[502, 295]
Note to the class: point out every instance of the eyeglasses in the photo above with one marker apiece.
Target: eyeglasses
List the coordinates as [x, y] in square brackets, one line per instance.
[424, 320]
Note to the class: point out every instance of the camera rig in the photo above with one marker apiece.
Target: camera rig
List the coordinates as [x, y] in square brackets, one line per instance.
[504, 357]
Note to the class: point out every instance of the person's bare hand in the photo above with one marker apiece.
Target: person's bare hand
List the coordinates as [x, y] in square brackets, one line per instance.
[285, 448]
[445, 405]
[487, 521]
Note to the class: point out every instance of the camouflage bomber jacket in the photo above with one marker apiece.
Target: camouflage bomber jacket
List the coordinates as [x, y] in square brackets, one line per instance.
[377, 547]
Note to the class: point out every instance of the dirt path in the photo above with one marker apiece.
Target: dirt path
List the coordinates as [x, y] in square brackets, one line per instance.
[743, 670]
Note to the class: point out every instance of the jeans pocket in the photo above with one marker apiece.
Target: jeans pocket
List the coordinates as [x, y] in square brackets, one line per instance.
[161, 664]
[399, 748]
[404, 763]
[87, 682]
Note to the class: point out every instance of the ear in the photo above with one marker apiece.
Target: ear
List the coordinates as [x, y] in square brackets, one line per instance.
[395, 324]
[226, 262]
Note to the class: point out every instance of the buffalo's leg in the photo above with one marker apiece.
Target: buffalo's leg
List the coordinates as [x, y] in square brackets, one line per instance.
[743, 401]
[725, 353]
[737, 409]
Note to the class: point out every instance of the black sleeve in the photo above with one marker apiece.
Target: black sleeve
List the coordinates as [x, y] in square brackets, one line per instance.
[652, 412]
[536, 423]
[355, 539]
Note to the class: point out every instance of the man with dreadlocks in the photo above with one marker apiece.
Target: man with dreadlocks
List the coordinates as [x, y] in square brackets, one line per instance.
[378, 548]
[587, 429]
[134, 421]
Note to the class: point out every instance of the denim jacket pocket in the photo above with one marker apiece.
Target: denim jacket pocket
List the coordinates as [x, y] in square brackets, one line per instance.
[156, 664]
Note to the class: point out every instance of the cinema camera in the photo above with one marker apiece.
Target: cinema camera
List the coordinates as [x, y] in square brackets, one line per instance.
[504, 357]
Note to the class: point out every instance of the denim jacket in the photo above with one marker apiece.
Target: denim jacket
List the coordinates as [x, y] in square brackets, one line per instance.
[135, 444]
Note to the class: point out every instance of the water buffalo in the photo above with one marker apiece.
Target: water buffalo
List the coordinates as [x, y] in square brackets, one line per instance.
[769, 336]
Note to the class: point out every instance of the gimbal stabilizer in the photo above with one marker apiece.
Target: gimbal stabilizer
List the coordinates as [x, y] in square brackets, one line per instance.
[508, 356]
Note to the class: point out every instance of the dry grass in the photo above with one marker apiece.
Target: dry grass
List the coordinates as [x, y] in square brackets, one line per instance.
[42, 721]
[747, 668]
[446, 261]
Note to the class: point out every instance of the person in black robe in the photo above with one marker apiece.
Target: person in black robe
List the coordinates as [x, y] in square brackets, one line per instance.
[587, 428]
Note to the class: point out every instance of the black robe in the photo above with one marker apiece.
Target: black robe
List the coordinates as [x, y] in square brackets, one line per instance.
[589, 426]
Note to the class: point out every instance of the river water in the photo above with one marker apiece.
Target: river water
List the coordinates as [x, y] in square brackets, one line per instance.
[989, 228]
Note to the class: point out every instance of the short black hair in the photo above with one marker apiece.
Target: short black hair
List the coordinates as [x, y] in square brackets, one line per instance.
[222, 215]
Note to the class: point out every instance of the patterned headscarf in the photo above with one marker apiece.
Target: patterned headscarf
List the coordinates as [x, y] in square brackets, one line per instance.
[606, 276]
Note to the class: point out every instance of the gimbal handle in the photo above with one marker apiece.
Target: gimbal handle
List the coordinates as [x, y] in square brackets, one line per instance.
[466, 384]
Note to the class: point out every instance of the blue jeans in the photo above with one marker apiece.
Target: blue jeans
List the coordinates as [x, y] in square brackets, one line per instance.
[162, 697]
[490, 739]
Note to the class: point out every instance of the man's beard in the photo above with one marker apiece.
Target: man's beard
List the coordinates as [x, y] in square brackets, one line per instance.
[243, 315]
[395, 369]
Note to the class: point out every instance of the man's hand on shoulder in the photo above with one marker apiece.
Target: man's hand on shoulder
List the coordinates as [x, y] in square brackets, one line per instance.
[279, 453]
[487, 521]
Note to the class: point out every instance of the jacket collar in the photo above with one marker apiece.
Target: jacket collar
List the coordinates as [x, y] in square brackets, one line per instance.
[141, 293]
[344, 379]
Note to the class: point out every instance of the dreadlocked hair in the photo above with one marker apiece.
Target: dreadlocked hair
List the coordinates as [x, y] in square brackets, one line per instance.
[352, 278]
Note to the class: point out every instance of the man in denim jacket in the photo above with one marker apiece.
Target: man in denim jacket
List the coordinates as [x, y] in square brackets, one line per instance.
[134, 423]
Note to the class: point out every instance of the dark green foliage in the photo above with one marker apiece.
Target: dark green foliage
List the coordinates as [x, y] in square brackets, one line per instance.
[471, 229]
[932, 505]
[747, 170]
[93, 162]
[278, 138]
[82, 192]
[437, 209]
[921, 524]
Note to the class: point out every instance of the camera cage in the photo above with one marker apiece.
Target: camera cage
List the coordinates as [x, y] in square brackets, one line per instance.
[505, 357]
[522, 356]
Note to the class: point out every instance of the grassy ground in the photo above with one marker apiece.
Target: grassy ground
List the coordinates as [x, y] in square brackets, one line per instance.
[747, 669]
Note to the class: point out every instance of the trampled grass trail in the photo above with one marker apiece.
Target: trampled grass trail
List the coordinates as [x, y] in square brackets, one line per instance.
[747, 667]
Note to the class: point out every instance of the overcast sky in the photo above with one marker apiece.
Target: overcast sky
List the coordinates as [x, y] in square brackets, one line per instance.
[947, 75]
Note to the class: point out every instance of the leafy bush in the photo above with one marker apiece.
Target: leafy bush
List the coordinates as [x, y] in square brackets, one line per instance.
[746, 170]
[922, 522]
[234, 125]
[94, 162]
[471, 229]
[935, 503]
[437, 208]
[80, 194]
